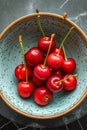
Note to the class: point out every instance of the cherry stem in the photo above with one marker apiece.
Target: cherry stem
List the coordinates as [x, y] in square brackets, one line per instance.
[39, 23]
[22, 49]
[61, 28]
[62, 43]
[75, 75]
[65, 57]
[52, 36]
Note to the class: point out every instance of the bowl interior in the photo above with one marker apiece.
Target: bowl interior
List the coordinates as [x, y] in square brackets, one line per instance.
[10, 57]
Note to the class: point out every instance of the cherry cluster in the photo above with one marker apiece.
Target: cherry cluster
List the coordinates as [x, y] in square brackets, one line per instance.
[47, 69]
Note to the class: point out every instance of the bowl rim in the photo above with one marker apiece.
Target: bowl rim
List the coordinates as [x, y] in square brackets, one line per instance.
[74, 105]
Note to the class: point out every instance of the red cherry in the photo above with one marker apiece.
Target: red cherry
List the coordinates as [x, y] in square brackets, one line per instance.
[33, 57]
[42, 72]
[54, 85]
[43, 44]
[55, 61]
[69, 65]
[42, 96]
[70, 82]
[25, 89]
[58, 73]
[37, 82]
[56, 50]
[20, 72]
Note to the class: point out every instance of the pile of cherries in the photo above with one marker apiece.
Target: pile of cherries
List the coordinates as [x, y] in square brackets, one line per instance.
[45, 70]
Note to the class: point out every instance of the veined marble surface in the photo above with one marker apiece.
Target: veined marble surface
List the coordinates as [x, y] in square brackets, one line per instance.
[11, 10]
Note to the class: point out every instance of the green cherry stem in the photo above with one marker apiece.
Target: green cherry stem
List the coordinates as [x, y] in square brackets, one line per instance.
[52, 36]
[62, 43]
[75, 75]
[39, 23]
[60, 31]
[65, 57]
[22, 50]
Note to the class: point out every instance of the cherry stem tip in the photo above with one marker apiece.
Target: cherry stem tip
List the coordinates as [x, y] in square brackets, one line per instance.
[72, 27]
[20, 38]
[37, 10]
[52, 35]
[64, 15]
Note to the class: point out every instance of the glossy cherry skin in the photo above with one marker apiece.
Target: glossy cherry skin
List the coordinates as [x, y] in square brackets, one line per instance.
[42, 72]
[69, 65]
[20, 72]
[70, 83]
[43, 44]
[33, 57]
[56, 50]
[55, 61]
[53, 85]
[25, 89]
[37, 82]
[42, 96]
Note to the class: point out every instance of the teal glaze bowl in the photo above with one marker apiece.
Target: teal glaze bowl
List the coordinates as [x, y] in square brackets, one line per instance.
[10, 56]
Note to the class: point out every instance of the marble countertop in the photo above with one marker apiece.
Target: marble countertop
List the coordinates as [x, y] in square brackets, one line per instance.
[77, 12]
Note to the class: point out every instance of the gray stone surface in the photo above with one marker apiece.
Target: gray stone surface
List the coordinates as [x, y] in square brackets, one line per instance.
[11, 10]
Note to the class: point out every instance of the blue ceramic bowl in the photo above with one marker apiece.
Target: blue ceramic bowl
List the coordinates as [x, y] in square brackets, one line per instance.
[10, 57]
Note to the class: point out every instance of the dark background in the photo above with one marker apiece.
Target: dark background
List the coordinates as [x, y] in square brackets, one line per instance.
[80, 124]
